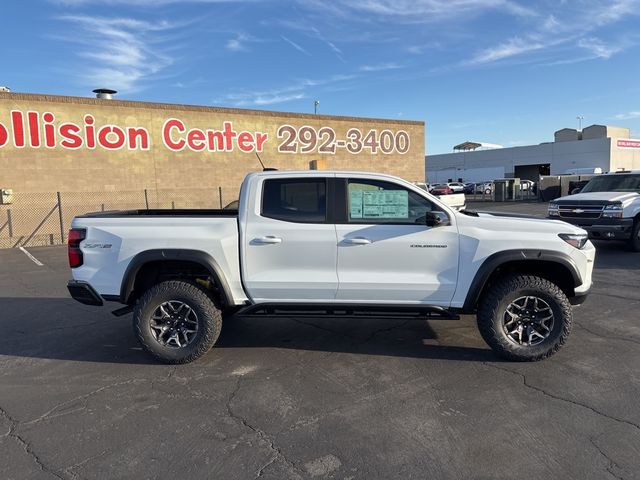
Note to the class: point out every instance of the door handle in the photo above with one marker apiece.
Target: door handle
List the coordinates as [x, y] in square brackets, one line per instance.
[357, 241]
[268, 239]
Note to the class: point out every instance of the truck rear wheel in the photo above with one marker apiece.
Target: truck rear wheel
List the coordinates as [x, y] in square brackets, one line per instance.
[176, 322]
[525, 318]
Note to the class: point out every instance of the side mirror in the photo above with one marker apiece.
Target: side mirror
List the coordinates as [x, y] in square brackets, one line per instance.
[437, 219]
[575, 190]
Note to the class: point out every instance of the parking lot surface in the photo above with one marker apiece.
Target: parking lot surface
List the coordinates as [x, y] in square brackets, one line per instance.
[321, 398]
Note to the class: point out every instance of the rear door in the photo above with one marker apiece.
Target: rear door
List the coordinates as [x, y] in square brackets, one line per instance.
[289, 240]
[387, 253]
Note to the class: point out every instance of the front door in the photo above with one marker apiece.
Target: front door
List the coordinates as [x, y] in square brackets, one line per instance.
[387, 253]
[289, 246]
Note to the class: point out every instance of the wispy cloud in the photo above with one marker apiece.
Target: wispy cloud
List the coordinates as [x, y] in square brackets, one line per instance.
[628, 115]
[560, 33]
[510, 48]
[330, 44]
[140, 3]
[239, 43]
[288, 93]
[120, 52]
[295, 45]
[419, 11]
[379, 67]
[598, 48]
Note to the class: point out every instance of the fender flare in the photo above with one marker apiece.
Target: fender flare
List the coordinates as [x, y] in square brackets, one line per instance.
[172, 254]
[494, 261]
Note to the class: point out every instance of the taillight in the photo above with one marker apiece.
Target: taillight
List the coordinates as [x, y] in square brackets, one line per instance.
[76, 235]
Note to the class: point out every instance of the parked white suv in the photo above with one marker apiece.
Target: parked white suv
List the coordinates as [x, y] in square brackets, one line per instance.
[336, 243]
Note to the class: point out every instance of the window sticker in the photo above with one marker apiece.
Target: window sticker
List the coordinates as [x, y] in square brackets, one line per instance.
[379, 204]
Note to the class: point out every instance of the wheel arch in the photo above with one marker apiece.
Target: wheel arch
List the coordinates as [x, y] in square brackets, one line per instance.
[556, 267]
[146, 269]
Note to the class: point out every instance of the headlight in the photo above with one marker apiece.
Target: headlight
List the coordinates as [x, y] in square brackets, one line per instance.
[553, 210]
[612, 211]
[577, 240]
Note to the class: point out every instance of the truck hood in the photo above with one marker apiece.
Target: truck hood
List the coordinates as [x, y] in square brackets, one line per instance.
[513, 222]
[598, 196]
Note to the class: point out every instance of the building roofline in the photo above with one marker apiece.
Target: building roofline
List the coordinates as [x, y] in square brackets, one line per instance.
[36, 97]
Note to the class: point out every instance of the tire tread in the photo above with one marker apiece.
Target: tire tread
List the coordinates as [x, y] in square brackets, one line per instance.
[488, 320]
[212, 323]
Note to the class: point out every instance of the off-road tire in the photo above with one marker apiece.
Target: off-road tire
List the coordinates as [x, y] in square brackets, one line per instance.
[498, 297]
[634, 241]
[209, 319]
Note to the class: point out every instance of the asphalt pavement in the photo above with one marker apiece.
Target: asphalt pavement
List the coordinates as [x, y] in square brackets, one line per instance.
[323, 398]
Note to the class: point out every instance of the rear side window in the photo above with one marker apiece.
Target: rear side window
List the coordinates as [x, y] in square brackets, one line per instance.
[301, 200]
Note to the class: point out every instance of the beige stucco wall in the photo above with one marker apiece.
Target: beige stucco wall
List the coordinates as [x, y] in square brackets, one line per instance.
[625, 154]
[42, 169]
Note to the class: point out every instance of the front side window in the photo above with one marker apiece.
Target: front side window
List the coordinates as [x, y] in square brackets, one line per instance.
[302, 200]
[373, 201]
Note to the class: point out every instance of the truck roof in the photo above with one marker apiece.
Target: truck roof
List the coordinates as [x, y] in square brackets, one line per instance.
[321, 173]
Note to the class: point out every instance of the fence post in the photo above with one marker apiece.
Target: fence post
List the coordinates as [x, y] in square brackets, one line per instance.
[10, 223]
[173, 205]
[146, 199]
[61, 218]
[220, 195]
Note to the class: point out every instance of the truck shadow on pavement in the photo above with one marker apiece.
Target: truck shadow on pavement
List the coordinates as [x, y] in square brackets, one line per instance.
[62, 329]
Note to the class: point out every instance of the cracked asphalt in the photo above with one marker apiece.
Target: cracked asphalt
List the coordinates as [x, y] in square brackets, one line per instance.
[314, 398]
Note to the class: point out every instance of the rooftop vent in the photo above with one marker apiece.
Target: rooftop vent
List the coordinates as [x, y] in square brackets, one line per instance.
[4, 89]
[104, 93]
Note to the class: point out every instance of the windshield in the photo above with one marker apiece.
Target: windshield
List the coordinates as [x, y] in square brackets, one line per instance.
[613, 183]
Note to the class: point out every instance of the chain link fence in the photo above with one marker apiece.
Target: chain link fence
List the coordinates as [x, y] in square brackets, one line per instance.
[37, 219]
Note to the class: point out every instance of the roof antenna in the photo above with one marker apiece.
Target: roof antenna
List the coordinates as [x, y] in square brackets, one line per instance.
[264, 169]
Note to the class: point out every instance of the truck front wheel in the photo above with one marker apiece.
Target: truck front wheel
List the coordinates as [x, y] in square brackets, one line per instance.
[524, 318]
[176, 322]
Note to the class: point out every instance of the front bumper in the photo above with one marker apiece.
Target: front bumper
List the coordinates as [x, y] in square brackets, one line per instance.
[603, 228]
[84, 293]
[579, 298]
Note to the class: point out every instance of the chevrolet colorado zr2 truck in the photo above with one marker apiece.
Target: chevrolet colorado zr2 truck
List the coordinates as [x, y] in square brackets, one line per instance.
[331, 243]
[607, 207]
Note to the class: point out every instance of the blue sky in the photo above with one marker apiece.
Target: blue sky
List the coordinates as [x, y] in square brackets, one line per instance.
[500, 71]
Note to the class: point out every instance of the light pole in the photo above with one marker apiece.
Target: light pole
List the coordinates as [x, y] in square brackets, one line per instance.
[315, 106]
[580, 118]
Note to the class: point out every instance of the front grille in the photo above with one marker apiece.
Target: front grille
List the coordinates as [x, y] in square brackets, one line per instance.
[580, 211]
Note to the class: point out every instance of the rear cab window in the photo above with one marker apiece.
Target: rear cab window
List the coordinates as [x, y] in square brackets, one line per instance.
[300, 200]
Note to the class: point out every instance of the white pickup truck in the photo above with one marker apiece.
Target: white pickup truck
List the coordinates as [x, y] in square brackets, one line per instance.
[608, 208]
[335, 243]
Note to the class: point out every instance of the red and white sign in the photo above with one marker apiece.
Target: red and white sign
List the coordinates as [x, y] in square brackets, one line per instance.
[34, 130]
[628, 143]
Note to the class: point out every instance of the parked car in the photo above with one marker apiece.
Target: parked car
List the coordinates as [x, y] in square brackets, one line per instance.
[443, 189]
[607, 207]
[484, 188]
[333, 243]
[528, 186]
[457, 187]
[468, 188]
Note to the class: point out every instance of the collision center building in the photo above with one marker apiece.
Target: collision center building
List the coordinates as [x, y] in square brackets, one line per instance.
[102, 153]
[56, 143]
